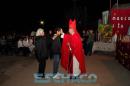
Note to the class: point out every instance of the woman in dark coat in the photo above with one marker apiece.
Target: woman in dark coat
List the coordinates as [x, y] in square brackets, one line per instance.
[41, 52]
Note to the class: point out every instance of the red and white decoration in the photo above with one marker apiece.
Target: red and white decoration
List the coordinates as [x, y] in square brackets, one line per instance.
[120, 20]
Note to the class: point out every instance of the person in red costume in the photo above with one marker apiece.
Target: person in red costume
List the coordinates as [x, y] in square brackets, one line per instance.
[65, 51]
[72, 55]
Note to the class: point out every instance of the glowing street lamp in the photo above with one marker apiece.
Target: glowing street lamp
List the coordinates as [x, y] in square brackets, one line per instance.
[41, 22]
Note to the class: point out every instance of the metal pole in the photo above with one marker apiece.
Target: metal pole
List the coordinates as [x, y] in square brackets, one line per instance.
[110, 4]
[117, 4]
[110, 11]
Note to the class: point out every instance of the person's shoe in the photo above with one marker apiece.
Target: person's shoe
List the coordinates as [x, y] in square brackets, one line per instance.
[56, 76]
[37, 77]
[75, 77]
[47, 77]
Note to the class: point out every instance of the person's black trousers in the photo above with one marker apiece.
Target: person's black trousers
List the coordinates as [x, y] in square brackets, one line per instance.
[42, 66]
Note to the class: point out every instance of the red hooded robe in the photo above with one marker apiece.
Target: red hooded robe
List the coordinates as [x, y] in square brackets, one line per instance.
[65, 52]
[76, 49]
[76, 46]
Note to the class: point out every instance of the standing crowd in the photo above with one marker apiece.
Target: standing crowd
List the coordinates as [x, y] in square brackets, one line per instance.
[67, 49]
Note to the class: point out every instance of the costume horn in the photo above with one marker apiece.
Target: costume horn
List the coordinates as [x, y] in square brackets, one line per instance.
[72, 24]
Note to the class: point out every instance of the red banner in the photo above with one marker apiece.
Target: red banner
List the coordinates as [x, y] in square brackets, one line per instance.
[120, 20]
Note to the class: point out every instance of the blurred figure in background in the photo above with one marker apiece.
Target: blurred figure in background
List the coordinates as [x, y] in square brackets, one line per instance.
[26, 50]
[20, 46]
[3, 45]
[90, 42]
[84, 41]
[50, 35]
[31, 45]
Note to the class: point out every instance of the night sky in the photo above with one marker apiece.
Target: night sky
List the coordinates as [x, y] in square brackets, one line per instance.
[26, 15]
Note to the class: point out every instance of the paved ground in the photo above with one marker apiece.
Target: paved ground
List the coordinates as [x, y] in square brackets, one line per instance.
[18, 71]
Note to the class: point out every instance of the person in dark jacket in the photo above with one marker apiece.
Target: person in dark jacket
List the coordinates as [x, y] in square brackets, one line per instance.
[50, 35]
[56, 48]
[41, 50]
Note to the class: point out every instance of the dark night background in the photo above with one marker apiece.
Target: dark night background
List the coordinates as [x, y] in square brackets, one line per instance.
[26, 15]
